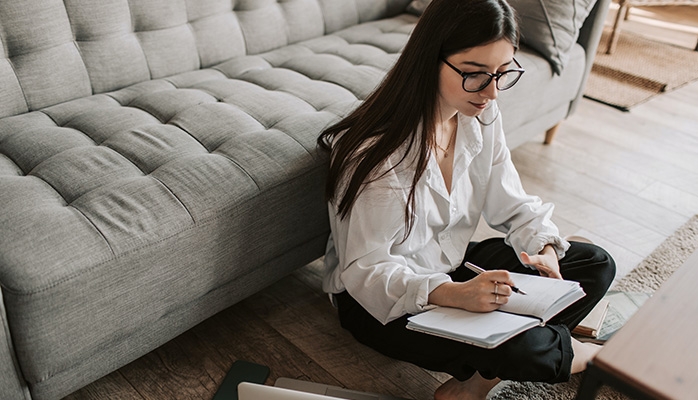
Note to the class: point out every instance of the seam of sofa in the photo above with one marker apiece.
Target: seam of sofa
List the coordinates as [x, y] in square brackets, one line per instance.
[101, 234]
[175, 196]
[19, 82]
[76, 274]
[140, 44]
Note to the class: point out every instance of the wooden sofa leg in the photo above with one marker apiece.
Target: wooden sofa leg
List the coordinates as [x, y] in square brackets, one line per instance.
[550, 133]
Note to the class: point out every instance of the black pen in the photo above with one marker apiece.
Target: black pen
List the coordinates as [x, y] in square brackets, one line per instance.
[479, 270]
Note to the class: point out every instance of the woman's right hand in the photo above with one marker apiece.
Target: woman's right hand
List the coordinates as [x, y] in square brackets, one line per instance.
[486, 292]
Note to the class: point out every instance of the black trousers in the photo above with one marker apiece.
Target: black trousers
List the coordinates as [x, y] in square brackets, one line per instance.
[541, 354]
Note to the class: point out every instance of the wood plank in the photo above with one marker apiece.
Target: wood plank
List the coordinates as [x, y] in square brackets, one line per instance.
[596, 219]
[112, 386]
[617, 154]
[171, 371]
[674, 199]
[239, 333]
[626, 134]
[584, 185]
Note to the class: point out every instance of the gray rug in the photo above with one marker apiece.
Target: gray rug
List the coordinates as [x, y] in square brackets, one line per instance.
[646, 277]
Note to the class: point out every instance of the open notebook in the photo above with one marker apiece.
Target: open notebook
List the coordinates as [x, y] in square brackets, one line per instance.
[545, 298]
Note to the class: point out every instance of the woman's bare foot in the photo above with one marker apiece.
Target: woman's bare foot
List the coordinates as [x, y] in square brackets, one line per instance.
[583, 353]
[475, 388]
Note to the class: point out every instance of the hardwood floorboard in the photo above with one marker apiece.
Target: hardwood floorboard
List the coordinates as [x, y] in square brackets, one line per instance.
[625, 180]
[112, 386]
[627, 133]
[625, 169]
[173, 371]
[583, 184]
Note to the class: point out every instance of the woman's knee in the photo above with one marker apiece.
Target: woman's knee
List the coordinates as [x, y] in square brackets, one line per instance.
[540, 355]
[591, 261]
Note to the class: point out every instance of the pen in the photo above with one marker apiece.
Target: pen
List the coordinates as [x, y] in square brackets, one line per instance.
[479, 270]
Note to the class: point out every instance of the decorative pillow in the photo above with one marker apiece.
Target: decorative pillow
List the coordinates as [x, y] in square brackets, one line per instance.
[417, 7]
[552, 27]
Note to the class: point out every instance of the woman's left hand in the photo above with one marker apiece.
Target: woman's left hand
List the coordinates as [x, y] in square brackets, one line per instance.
[545, 262]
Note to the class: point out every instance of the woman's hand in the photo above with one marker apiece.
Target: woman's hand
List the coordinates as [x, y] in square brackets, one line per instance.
[545, 262]
[486, 292]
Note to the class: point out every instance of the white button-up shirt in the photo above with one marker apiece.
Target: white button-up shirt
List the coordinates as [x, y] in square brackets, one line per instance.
[390, 277]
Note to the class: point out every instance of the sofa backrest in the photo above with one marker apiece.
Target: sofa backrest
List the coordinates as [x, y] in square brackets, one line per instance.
[53, 51]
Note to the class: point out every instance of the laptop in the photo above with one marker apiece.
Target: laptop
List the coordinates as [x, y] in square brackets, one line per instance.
[293, 389]
[255, 391]
[329, 390]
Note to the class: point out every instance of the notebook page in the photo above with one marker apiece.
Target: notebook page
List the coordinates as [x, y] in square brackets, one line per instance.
[542, 293]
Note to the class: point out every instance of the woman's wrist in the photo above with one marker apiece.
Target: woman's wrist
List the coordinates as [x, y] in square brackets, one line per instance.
[548, 249]
[441, 296]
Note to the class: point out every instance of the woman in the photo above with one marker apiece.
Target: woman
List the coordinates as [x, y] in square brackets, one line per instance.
[411, 172]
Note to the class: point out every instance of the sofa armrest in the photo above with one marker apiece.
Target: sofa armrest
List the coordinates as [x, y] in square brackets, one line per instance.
[589, 37]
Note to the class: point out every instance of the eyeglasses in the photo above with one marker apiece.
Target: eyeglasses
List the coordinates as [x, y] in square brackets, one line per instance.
[477, 81]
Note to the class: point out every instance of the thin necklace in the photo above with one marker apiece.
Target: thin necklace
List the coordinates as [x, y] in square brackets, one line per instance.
[450, 140]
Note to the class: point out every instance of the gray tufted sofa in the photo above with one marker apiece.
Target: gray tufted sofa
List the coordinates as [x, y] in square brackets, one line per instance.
[158, 161]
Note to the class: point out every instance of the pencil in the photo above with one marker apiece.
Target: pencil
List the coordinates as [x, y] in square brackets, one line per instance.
[479, 270]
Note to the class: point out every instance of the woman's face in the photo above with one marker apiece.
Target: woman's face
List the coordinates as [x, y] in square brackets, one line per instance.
[493, 57]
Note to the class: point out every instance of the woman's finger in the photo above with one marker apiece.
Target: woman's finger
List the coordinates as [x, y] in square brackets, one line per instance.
[500, 300]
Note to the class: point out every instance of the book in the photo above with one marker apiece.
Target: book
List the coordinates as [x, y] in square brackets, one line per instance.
[621, 306]
[591, 324]
[545, 298]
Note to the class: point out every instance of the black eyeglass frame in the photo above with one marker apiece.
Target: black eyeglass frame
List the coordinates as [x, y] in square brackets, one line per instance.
[494, 76]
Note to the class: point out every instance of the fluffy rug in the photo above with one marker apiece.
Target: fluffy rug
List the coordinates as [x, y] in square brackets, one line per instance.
[646, 277]
[638, 70]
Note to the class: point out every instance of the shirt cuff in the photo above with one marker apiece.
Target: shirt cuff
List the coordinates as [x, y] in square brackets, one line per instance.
[559, 244]
[418, 294]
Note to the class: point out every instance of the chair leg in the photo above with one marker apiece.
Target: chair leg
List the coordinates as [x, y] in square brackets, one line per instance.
[613, 39]
[550, 133]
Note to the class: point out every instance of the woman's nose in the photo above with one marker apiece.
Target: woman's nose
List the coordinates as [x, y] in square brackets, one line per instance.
[490, 91]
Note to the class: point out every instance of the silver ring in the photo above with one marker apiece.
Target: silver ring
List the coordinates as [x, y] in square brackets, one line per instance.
[496, 298]
[495, 288]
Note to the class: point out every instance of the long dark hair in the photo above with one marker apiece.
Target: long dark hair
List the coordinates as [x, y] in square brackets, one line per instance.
[389, 118]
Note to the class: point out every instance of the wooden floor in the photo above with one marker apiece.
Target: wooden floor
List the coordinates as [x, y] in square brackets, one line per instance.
[625, 180]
